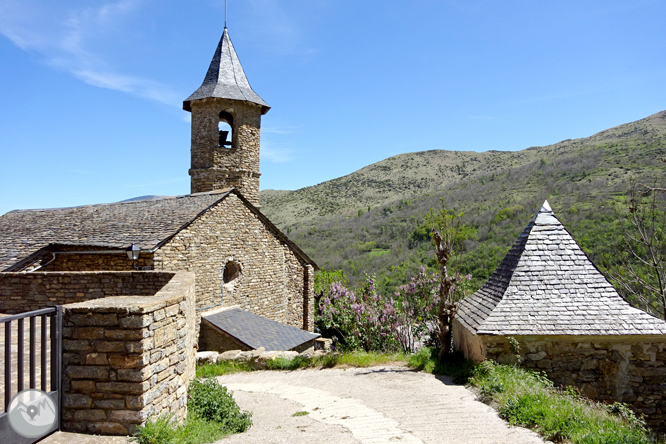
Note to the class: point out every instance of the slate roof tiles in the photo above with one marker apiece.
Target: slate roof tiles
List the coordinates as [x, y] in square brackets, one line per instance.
[256, 331]
[146, 223]
[226, 78]
[546, 285]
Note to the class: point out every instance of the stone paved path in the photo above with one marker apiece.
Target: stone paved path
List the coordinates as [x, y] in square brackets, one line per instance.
[375, 405]
[350, 406]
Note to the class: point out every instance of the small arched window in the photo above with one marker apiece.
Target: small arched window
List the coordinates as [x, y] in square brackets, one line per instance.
[232, 271]
[225, 130]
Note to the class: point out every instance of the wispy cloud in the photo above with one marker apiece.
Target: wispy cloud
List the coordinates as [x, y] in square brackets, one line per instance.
[270, 153]
[273, 17]
[64, 35]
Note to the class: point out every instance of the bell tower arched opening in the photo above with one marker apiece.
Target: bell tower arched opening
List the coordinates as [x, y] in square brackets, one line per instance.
[225, 130]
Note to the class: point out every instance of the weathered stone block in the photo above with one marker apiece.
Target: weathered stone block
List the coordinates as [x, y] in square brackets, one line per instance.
[107, 428]
[126, 335]
[114, 404]
[131, 416]
[83, 386]
[136, 321]
[77, 401]
[76, 345]
[93, 319]
[81, 372]
[96, 359]
[89, 415]
[123, 361]
[109, 346]
[131, 388]
[88, 333]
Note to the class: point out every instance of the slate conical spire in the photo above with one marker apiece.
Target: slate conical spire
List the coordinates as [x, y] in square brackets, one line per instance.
[226, 79]
[546, 285]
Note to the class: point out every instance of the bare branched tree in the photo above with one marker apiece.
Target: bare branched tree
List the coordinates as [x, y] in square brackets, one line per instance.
[446, 234]
[641, 268]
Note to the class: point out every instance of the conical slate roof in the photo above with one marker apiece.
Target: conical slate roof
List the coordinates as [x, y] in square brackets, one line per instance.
[226, 79]
[546, 285]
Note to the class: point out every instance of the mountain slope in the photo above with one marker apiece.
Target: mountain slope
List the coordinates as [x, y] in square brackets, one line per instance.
[372, 220]
[410, 174]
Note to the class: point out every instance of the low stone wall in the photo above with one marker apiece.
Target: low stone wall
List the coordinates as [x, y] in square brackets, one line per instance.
[629, 369]
[128, 343]
[21, 292]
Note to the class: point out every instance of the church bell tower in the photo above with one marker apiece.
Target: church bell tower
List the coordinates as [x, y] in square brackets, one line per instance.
[226, 127]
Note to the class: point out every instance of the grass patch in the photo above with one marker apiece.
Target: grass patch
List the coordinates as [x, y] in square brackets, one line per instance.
[301, 413]
[347, 359]
[529, 399]
[222, 368]
[212, 414]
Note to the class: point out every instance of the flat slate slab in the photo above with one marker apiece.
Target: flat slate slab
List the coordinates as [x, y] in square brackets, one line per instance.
[257, 331]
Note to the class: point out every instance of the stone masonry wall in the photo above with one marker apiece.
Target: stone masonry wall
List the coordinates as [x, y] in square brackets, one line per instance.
[128, 345]
[216, 167]
[21, 292]
[97, 262]
[272, 282]
[212, 339]
[629, 369]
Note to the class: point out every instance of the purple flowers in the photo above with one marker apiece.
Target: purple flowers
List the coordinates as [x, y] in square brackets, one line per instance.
[365, 319]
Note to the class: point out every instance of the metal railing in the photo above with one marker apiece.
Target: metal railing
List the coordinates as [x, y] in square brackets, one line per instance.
[43, 357]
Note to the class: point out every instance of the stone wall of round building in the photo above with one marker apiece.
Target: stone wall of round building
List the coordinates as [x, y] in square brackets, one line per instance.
[629, 369]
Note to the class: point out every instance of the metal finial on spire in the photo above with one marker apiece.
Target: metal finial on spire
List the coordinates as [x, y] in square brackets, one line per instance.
[225, 14]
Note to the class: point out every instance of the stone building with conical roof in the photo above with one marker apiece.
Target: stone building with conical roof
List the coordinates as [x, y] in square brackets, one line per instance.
[226, 127]
[549, 307]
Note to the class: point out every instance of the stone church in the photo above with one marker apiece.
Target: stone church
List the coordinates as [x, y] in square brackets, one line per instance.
[240, 259]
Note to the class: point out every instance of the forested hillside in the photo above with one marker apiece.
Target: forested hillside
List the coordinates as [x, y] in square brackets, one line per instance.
[373, 220]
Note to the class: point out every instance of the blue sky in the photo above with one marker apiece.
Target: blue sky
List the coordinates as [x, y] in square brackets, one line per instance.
[92, 90]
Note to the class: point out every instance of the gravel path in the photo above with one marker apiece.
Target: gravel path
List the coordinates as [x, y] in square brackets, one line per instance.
[373, 405]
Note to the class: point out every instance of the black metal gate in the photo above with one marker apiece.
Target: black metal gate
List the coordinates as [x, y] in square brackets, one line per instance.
[40, 368]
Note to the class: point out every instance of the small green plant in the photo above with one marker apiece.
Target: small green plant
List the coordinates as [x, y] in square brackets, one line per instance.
[301, 413]
[212, 414]
[515, 349]
[157, 431]
[211, 401]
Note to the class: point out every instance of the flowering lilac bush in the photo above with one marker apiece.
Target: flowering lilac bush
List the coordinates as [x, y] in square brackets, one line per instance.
[365, 319]
[417, 311]
[360, 320]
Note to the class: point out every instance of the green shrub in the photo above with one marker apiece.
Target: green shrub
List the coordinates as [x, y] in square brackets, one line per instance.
[212, 402]
[212, 414]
